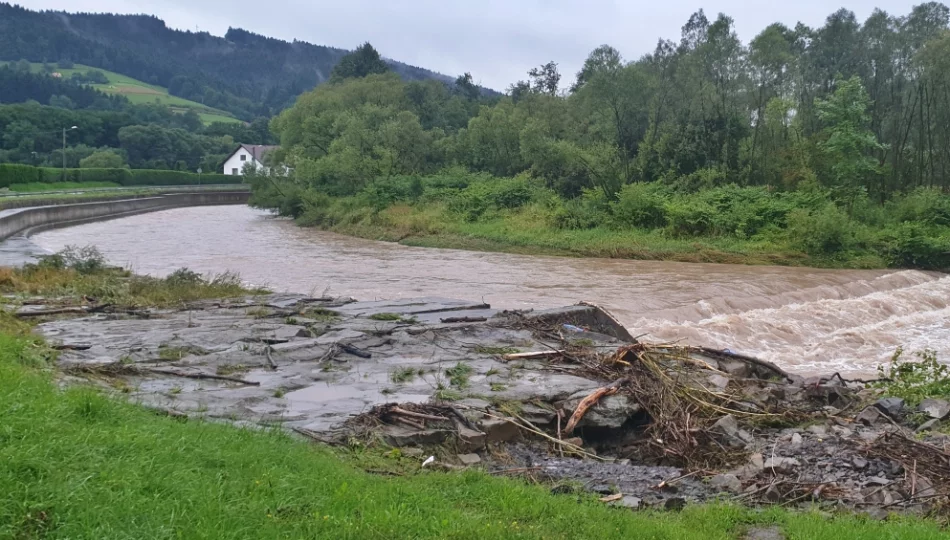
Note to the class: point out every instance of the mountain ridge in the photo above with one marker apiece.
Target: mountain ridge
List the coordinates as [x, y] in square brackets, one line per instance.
[211, 70]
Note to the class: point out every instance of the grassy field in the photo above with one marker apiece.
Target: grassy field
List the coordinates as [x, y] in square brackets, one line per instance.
[59, 186]
[82, 463]
[140, 92]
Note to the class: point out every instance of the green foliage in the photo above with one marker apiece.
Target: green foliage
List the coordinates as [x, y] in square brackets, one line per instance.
[105, 159]
[821, 232]
[365, 60]
[915, 381]
[911, 245]
[84, 260]
[459, 375]
[640, 205]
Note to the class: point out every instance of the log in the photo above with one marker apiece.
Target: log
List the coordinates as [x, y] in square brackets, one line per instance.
[532, 355]
[592, 400]
[347, 348]
[270, 359]
[54, 311]
[463, 319]
[204, 376]
[397, 410]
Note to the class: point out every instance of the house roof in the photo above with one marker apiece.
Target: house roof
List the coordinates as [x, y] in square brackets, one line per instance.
[257, 151]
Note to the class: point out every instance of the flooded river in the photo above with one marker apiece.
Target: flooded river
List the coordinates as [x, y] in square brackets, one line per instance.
[805, 320]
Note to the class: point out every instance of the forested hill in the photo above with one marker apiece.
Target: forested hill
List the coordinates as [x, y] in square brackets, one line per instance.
[244, 73]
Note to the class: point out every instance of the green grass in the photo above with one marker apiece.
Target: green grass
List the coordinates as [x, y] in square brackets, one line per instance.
[139, 92]
[59, 186]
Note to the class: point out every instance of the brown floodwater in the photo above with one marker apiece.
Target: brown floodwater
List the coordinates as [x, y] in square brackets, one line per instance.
[806, 320]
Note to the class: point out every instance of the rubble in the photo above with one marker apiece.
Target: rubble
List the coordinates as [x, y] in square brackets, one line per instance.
[566, 394]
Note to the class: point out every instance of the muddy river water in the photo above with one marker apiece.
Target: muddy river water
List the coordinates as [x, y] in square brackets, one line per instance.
[805, 320]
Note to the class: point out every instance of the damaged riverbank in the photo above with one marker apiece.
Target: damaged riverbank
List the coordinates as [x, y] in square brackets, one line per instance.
[567, 396]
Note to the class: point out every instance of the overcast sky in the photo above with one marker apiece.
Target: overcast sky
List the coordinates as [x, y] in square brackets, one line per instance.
[496, 40]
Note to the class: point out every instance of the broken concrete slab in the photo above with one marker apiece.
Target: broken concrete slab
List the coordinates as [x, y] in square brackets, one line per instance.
[935, 408]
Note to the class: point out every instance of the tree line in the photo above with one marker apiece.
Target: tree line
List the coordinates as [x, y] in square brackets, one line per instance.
[849, 115]
[111, 131]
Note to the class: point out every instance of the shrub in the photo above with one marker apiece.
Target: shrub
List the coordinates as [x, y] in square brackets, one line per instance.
[928, 206]
[590, 210]
[84, 260]
[640, 205]
[912, 245]
[689, 218]
[184, 276]
[496, 194]
[915, 381]
[821, 232]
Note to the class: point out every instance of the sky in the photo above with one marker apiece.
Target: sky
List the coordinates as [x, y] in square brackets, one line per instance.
[498, 41]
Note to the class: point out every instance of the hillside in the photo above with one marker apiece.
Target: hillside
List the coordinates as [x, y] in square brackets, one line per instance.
[136, 91]
[195, 66]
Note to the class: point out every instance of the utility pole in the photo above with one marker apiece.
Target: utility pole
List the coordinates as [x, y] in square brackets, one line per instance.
[64, 150]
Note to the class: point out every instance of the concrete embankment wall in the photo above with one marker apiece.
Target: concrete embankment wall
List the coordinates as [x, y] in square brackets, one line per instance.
[33, 219]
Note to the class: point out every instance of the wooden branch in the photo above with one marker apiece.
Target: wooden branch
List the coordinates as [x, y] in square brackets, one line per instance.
[204, 376]
[270, 359]
[532, 355]
[397, 410]
[592, 400]
[463, 319]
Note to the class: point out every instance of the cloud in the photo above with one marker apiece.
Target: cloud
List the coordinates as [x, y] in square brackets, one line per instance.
[498, 41]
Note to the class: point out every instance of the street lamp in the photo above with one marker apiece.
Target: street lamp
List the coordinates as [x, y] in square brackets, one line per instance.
[64, 149]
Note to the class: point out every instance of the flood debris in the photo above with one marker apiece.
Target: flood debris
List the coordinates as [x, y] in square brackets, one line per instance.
[561, 395]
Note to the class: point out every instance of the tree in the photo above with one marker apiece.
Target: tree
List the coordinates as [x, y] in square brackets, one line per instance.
[102, 159]
[23, 66]
[848, 141]
[466, 87]
[545, 79]
[63, 102]
[365, 60]
[602, 59]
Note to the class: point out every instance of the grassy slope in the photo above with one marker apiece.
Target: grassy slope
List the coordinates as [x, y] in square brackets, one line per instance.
[77, 463]
[140, 92]
[521, 232]
[59, 186]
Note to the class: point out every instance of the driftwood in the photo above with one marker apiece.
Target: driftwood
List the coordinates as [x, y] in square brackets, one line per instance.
[592, 400]
[203, 376]
[463, 319]
[397, 410]
[54, 311]
[347, 348]
[532, 355]
[270, 359]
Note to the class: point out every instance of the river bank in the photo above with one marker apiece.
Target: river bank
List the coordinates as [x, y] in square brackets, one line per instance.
[202, 351]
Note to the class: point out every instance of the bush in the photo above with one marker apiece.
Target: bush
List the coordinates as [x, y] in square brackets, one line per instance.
[689, 218]
[823, 232]
[640, 205]
[915, 381]
[927, 206]
[496, 194]
[911, 245]
[85, 260]
[184, 276]
[12, 173]
[588, 211]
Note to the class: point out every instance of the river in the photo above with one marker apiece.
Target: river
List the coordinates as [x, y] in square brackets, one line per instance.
[806, 320]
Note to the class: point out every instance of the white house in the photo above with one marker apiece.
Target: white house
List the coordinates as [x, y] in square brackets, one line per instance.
[246, 153]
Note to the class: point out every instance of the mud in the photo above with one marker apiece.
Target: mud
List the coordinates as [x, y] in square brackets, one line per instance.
[670, 426]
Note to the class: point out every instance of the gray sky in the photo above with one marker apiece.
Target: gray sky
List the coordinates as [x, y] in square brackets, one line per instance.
[496, 40]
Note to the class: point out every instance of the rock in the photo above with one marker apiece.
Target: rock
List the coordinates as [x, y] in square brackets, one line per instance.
[868, 416]
[400, 437]
[499, 430]
[412, 452]
[469, 459]
[796, 439]
[728, 428]
[859, 462]
[752, 468]
[935, 408]
[538, 416]
[631, 502]
[818, 430]
[842, 432]
[676, 504]
[827, 394]
[782, 465]
[610, 412]
[727, 482]
[576, 441]
[878, 481]
[718, 381]
[890, 406]
[736, 368]
[876, 513]
[761, 533]
[470, 438]
[928, 425]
